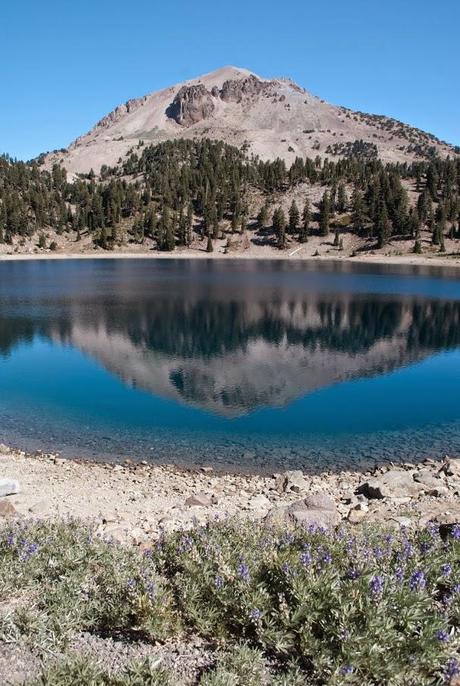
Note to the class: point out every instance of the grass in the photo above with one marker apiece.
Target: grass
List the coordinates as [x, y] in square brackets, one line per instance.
[280, 607]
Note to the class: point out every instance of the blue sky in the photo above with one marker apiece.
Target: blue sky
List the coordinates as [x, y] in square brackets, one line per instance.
[65, 64]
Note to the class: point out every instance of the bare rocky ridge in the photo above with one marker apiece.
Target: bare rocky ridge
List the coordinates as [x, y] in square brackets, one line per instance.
[269, 117]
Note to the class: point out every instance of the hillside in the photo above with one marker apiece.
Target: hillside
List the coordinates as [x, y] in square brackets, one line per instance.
[270, 118]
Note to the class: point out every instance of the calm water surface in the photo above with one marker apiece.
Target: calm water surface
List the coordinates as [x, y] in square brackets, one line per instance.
[247, 364]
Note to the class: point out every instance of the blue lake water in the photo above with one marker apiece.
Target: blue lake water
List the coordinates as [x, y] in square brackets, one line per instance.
[238, 364]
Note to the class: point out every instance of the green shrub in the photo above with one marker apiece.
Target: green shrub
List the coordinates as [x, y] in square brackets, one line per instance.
[342, 607]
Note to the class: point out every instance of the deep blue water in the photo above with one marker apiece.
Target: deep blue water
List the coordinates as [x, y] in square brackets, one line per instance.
[248, 364]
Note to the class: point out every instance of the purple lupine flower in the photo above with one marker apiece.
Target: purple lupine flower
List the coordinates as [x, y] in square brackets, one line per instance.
[131, 584]
[446, 569]
[353, 574]
[455, 589]
[346, 669]
[151, 590]
[306, 558]
[255, 613]
[456, 532]
[376, 584]
[10, 540]
[399, 575]
[218, 582]
[243, 571]
[417, 581]
[442, 636]
[286, 567]
[451, 670]
[326, 558]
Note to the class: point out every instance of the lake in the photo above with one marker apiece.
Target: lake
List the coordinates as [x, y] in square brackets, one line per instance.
[241, 364]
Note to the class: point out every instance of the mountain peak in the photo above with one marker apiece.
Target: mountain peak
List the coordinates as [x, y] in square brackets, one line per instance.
[270, 117]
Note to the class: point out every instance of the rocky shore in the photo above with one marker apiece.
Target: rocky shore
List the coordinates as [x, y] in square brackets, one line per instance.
[137, 502]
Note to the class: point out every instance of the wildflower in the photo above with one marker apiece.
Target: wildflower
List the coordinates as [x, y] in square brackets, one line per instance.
[446, 569]
[151, 590]
[346, 669]
[306, 558]
[376, 584]
[417, 581]
[327, 558]
[456, 532]
[286, 567]
[243, 571]
[218, 582]
[451, 670]
[131, 584]
[255, 613]
[399, 575]
[353, 574]
[442, 636]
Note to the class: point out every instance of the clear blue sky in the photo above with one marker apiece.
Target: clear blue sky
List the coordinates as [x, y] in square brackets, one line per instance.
[66, 63]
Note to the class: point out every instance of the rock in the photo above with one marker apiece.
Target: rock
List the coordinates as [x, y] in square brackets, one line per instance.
[8, 486]
[392, 484]
[4, 448]
[192, 104]
[356, 516]
[207, 470]
[426, 477]
[7, 509]
[199, 500]
[259, 502]
[314, 510]
[236, 90]
[451, 467]
[291, 481]
[318, 501]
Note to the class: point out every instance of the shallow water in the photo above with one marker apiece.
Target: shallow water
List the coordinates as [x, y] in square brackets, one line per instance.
[248, 364]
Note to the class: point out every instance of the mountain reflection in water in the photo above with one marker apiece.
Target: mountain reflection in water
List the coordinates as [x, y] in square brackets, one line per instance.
[222, 341]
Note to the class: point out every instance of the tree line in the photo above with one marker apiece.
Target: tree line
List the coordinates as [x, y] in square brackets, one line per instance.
[176, 190]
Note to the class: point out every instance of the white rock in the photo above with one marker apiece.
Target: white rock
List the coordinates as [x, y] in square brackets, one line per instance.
[8, 486]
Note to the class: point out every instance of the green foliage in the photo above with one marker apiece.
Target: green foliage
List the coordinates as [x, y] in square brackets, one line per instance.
[168, 191]
[339, 607]
[86, 673]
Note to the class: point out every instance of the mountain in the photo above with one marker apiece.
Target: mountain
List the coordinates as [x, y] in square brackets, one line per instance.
[270, 118]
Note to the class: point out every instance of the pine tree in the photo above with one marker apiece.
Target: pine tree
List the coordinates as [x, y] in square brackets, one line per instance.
[383, 226]
[342, 199]
[262, 217]
[305, 225]
[324, 215]
[279, 227]
[209, 246]
[294, 217]
[358, 216]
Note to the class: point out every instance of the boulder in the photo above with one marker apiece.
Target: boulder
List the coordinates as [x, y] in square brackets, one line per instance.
[427, 478]
[199, 500]
[291, 481]
[392, 484]
[7, 509]
[451, 467]
[314, 510]
[8, 486]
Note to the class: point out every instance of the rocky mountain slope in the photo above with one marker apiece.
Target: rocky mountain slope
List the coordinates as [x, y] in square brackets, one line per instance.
[270, 118]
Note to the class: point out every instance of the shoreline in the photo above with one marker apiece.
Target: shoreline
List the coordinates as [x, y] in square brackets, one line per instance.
[136, 502]
[369, 260]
